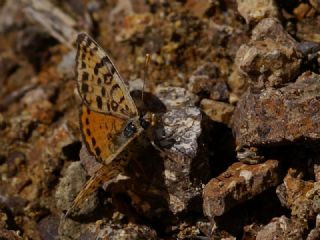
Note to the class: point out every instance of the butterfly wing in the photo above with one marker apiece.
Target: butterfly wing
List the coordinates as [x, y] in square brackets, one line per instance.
[102, 175]
[99, 83]
[103, 134]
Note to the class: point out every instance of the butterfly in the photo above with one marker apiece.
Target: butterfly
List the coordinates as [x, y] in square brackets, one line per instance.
[109, 118]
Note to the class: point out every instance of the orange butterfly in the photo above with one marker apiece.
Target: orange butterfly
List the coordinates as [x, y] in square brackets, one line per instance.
[109, 119]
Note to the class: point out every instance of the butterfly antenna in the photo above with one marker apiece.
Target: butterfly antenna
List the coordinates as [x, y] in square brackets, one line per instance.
[145, 72]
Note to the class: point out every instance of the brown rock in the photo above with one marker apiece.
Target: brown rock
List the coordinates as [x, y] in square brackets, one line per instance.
[205, 82]
[255, 10]
[217, 111]
[282, 228]
[124, 232]
[301, 11]
[238, 84]
[270, 58]
[237, 184]
[308, 29]
[314, 234]
[302, 197]
[278, 116]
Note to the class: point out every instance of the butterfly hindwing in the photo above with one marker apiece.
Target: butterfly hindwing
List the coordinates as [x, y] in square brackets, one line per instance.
[100, 133]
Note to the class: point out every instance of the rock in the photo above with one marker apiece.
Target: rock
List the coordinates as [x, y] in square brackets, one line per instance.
[205, 82]
[11, 16]
[199, 9]
[69, 186]
[70, 229]
[302, 11]
[270, 58]
[125, 232]
[282, 228]
[301, 197]
[14, 160]
[34, 45]
[314, 234]
[217, 111]
[48, 227]
[183, 159]
[238, 83]
[7, 65]
[237, 184]
[279, 116]
[66, 64]
[308, 29]
[9, 235]
[255, 10]
[175, 97]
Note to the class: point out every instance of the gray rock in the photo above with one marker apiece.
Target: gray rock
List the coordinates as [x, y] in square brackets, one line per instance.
[69, 186]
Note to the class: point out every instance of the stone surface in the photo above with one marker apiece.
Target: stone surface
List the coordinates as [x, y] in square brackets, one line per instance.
[270, 58]
[217, 111]
[308, 29]
[279, 116]
[125, 232]
[237, 184]
[282, 228]
[68, 188]
[255, 10]
[206, 81]
[301, 197]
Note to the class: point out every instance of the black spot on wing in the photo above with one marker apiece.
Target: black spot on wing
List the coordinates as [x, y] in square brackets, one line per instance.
[84, 88]
[93, 140]
[113, 88]
[107, 78]
[88, 132]
[98, 151]
[103, 91]
[114, 105]
[99, 102]
[85, 76]
[99, 65]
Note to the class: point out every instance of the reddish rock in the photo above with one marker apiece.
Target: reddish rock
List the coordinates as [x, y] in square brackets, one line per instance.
[278, 116]
[237, 184]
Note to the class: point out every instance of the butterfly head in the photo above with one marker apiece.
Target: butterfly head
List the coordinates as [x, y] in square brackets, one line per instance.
[147, 120]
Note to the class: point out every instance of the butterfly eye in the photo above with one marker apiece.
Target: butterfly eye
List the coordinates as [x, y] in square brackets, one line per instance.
[129, 130]
[144, 123]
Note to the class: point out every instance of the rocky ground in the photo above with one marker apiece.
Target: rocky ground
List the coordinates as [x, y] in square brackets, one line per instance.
[236, 88]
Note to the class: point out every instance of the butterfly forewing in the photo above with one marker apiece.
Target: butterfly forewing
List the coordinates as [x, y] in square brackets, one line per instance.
[99, 83]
